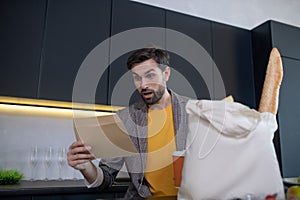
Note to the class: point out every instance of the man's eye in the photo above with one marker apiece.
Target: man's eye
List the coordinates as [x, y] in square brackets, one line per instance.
[136, 78]
[150, 76]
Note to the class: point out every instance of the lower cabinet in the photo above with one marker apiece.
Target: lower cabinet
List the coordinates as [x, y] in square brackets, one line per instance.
[77, 196]
[65, 196]
[61, 190]
[15, 197]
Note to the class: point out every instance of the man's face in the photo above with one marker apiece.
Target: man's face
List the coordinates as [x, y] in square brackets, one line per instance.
[150, 80]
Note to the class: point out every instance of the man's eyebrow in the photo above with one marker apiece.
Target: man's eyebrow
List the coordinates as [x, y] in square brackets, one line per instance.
[135, 74]
[150, 70]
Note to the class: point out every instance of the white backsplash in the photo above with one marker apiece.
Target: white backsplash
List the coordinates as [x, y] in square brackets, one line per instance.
[19, 133]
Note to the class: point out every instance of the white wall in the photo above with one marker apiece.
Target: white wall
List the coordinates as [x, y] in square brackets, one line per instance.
[20, 130]
[244, 14]
[19, 133]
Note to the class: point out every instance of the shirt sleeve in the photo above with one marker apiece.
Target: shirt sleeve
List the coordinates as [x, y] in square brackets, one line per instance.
[98, 180]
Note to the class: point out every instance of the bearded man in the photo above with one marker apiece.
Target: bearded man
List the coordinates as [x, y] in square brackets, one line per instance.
[157, 125]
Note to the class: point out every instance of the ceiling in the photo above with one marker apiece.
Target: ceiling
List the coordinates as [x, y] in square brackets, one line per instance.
[243, 14]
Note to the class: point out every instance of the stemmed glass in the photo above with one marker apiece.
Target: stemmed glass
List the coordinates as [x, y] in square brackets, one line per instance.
[48, 160]
[62, 158]
[33, 160]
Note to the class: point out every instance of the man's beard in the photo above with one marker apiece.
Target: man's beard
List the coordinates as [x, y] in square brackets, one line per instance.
[157, 95]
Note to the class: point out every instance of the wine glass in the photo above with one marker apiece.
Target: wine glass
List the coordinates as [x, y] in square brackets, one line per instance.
[62, 158]
[48, 160]
[33, 161]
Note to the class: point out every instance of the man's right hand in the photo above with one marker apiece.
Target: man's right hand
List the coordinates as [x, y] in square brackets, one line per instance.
[79, 155]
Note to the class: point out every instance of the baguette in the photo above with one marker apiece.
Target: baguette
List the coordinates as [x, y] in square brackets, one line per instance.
[270, 93]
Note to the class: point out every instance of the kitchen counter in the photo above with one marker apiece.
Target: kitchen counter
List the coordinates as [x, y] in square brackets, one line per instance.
[64, 187]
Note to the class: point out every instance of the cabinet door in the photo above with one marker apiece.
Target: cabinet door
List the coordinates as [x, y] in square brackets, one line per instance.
[21, 34]
[187, 79]
[261, 48]
[23, 197]
[74, 196]
[73, 29]
[289, 118]
[129, 15]
[233, 57]
[286, 39]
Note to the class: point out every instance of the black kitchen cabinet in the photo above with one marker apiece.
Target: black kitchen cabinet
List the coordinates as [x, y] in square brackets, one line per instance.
[73, 29]
[61, 34]
[232, 54]
[185, 78]
[73, 196]
[61, 190]
[70, 30]
[271, 34]
[289, 117]
[285, 38]
[21, 36]
[25, 197]
[261, 48]
[130, 16]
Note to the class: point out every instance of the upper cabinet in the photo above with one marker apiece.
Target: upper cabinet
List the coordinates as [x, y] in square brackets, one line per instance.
[50, 46]
[287, 40]
[227, 71]
[21, 36]
[232, 54]
[133, 18]
[288, 117]
[266, 36]
[73, 29]
[189, 42]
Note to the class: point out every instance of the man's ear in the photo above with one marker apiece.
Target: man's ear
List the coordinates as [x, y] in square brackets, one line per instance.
[166, 73]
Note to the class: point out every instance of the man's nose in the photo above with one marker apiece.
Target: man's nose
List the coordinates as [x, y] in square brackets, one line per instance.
[144, 83]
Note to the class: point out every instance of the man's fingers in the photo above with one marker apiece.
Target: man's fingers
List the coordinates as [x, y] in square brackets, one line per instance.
[76, 144]
[80, 149]
[79, 153]
[75, 159]
[74, 163]
[81, 156]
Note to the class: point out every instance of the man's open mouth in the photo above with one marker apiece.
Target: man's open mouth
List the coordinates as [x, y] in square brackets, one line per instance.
[147, 94]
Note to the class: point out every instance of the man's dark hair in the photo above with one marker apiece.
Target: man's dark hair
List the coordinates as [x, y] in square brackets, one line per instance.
[159, 55]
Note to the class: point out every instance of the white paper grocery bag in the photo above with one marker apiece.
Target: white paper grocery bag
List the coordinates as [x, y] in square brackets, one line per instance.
[230, 153]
